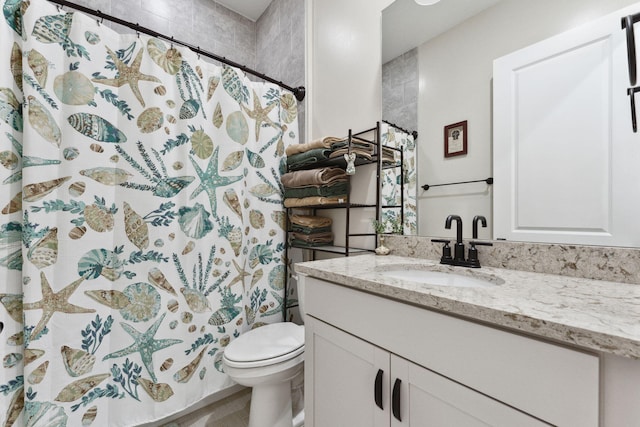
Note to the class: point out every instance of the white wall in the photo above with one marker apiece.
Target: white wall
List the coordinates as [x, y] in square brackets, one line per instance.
[344, 71]
[455, 72]
[344, 83]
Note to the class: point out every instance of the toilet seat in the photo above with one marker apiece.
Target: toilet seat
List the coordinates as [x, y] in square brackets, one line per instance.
[264, 346]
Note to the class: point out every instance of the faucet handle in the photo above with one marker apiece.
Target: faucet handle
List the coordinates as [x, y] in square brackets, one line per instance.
[476, 243]
[473, 260]
[446, 249]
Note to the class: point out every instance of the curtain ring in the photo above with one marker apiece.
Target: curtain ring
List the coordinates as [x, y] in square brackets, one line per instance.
[58, 8]
[198, 52]
[101, 18]
[138, 31]
[172, 42]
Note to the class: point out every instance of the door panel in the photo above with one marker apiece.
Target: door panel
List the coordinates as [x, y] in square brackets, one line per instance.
[565, 155]
[343, 377]
[433, 400]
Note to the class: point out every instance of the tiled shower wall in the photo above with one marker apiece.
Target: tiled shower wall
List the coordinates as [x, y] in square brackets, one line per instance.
[280, 46]
[273, 45]
[400, 90]
[201, 23]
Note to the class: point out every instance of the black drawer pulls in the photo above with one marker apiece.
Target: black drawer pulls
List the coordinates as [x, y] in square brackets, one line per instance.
[377, 389]
[627, 24]
[395, 394]
[395, 399]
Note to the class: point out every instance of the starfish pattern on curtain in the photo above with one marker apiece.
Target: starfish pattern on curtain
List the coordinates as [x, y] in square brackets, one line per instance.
[142, 221]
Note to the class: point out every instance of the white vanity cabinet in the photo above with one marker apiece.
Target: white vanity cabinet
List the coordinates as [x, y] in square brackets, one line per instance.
[356, 383]
[446, 371]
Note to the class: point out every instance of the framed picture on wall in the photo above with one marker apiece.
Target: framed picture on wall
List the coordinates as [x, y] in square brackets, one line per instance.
[455, 139]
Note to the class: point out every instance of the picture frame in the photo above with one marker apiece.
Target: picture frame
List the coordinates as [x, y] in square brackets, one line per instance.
[455, 139]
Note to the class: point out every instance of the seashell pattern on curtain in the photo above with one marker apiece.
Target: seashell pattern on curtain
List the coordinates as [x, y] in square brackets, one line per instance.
[142, 223]
[392, 137]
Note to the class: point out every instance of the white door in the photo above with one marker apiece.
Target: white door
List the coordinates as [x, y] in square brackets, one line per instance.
[429, 399]
[343, 373]
[566, 161]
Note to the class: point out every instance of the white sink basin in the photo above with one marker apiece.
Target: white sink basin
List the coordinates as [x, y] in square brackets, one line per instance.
[440, 278]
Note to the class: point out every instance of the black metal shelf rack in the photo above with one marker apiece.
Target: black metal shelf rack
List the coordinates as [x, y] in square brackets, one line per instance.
[347, 249]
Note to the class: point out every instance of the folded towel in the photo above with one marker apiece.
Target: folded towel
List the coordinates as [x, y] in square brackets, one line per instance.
[315, 200]
[388, 155]
[358, 151]
[308, 230]
[313, 238]
[318, 157]
[322, 176]
[308, 158]
[311, 220]
[302, 244]
[368, 146]
[317, 190]
[319, 143]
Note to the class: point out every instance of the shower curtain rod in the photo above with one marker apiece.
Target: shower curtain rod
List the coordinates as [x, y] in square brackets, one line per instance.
[413, 133]
[298, 92]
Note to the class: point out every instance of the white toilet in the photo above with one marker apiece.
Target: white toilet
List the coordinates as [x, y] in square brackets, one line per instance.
[268, 359]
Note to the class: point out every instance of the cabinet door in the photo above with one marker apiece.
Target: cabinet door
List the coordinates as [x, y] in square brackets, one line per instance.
[565, 155]
[429, 399]
[340, 379]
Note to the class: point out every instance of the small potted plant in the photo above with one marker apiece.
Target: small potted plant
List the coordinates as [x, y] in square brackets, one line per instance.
[397, 227]
[380, 227]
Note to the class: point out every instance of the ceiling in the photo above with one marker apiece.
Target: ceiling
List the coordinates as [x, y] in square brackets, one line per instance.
[406, 25]
[251, 9]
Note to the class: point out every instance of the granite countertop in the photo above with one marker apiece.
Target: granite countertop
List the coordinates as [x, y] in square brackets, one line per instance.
[592, 314]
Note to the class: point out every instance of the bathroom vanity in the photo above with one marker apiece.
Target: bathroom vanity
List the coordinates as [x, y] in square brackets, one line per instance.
[528, 349]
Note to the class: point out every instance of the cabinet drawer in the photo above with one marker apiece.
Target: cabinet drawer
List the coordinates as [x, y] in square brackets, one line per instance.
[554, 383]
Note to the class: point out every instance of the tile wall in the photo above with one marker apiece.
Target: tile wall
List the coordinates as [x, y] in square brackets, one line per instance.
[273, 45]
[400, 90]
[202, 23]
[280, 46]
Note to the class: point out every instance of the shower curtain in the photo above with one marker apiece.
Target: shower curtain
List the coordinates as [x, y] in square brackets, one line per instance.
[391, 178]
[142, 221]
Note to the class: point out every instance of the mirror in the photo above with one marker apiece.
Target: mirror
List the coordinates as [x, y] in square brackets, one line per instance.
[437, 72]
